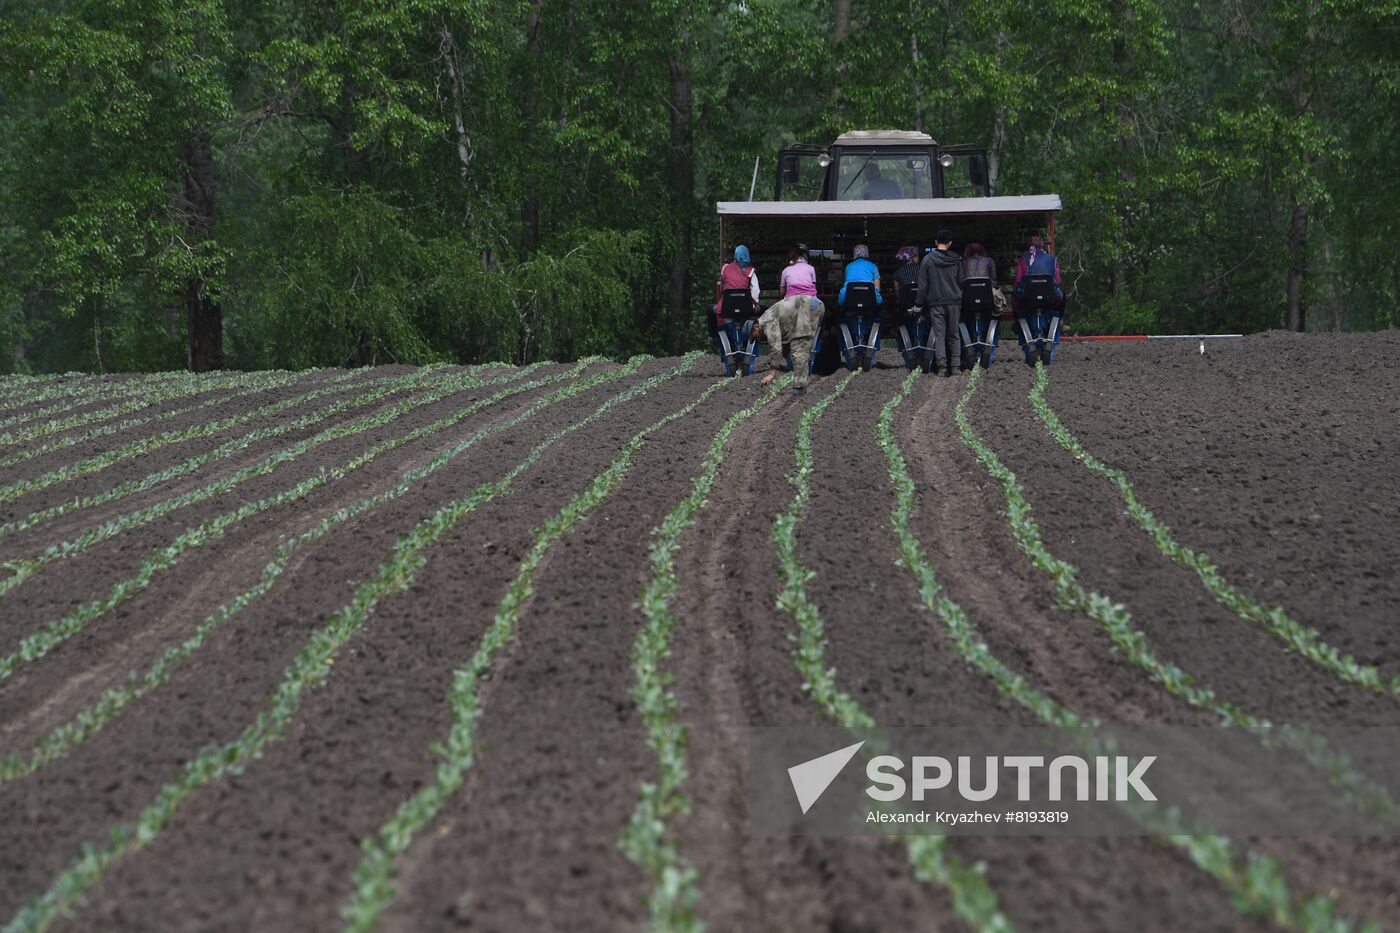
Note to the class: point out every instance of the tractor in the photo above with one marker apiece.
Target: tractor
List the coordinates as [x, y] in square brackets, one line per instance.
[885, 189]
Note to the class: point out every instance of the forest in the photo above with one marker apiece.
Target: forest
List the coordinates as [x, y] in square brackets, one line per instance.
[255, 184]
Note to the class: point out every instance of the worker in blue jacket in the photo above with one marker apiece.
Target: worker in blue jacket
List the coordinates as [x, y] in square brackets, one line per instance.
[857, 328]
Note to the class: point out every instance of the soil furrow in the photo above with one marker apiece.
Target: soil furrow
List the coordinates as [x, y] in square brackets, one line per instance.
[1120, 883]
[189, 587]
[1083, 521]
[1278, 455]
[1299, 638]
[143, 546]
[350, 752]
[649, 840]
[215, 463]
[24, 568]
[148, 408]
[1354, 889]
[733, 664]
[60, 476]
[534, 833]
[59, 402]
[266, 707]
[210, 697]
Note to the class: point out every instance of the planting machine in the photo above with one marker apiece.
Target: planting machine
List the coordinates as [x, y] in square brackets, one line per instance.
[885, 189]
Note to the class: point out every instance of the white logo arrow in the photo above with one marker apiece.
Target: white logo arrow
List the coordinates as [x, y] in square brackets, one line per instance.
[811, 778]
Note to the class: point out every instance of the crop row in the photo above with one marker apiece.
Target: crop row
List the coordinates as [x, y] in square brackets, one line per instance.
[224, 451]
[88, 389]
[1298, 637]
[309, 669]
[374, 877]
[65, 737]
[10, 421]
[20, 383]
[1256, 881]
[30, 452]
[23, 568]
[43, 640]
[973, 898]
[145, 445]
[674, 894]
[145, 400]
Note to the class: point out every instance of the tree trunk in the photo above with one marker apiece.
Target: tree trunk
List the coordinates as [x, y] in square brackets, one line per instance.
[840, 29]
[530, 209]
[1297, 265]
[682, 191]
[97, 333]
[1333, 296]
[1127, 132]
[204, 319]
[998, 130]
[841, 21]
[450, 52]
[914, 70]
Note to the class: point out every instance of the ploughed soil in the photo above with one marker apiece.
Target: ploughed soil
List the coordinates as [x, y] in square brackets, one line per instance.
[1276, 455]
[1240, 451]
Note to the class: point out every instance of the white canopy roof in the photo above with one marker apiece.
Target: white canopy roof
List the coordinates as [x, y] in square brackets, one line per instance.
[883, 138]
[904, 207]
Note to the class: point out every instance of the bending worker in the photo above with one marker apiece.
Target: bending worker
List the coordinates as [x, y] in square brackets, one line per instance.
[793, 321]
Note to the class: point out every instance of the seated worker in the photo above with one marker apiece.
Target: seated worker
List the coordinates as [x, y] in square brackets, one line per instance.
[738, 273]
[912, 336]
[856, 326]
[878, 187]
[795, 321]
[1038, 302]
[798, 278]
[861, 269]
[982, 306]
[731, 336]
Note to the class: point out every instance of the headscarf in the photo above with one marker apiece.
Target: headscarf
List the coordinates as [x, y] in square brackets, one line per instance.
[861, 252]
[907, 254]
[741, 256]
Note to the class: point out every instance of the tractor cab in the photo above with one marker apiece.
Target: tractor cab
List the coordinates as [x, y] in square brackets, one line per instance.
[874, 165]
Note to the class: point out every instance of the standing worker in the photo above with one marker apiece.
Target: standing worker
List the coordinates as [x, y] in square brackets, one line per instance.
[794, 321]
[940, 292]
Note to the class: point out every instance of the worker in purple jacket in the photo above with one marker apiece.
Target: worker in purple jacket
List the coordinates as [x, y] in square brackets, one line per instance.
[1038, 302]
